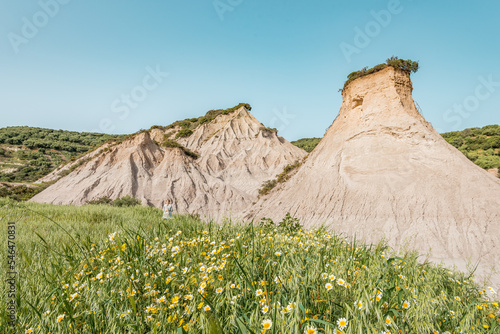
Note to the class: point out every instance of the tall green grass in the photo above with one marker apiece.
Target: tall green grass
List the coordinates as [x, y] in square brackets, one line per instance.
[102, 269]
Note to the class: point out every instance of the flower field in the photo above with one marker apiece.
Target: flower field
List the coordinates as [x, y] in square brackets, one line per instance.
[102, 269]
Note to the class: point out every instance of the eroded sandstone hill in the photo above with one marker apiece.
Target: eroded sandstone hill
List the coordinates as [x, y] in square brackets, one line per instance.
[236, 154]
[382, 171]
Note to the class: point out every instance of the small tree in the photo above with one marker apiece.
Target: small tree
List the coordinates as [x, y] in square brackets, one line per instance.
[408, 65]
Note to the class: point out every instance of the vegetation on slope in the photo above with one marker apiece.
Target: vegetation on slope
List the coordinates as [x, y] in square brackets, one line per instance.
[20, 164]
[267, 130]
[184, 133]
[408, 66]
[280, 178]
[21, 192]
[58, 140]
[189, 124]
[27, 153]
[125, 270]
[173, 144]
[480, 145]
[307, 144]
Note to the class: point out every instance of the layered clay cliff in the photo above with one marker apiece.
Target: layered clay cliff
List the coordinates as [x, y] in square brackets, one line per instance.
[382, 172]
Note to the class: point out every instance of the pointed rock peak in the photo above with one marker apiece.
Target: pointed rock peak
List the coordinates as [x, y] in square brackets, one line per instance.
[142, 137]
[243, 111]
[243, 114]
[139, 138]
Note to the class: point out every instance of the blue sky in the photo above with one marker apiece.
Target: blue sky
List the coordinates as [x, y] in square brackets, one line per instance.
[120, 66]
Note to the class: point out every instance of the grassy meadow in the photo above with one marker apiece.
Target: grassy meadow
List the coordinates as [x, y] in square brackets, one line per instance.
[105, 269]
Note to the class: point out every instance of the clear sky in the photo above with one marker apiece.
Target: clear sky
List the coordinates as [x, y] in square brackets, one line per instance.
[120, 66]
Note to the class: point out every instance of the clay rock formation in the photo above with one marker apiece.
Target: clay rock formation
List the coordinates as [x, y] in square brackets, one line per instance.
[236, 155]
[239, 150]
[382, 171]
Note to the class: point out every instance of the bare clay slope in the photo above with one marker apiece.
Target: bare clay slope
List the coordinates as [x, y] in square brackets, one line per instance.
[238, 149]
[236, 157]
[382, 171]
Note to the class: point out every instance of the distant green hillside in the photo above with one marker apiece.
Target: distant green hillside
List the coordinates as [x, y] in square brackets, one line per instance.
[307, 144]
[481, 145]
[27, 153]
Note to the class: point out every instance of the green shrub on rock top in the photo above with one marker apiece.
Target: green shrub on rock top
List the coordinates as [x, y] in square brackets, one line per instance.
[408, 66]
[193, 123]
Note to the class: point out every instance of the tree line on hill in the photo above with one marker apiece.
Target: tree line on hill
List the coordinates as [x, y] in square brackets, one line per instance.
[29, 153]
[60, 140]
[480, 145]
